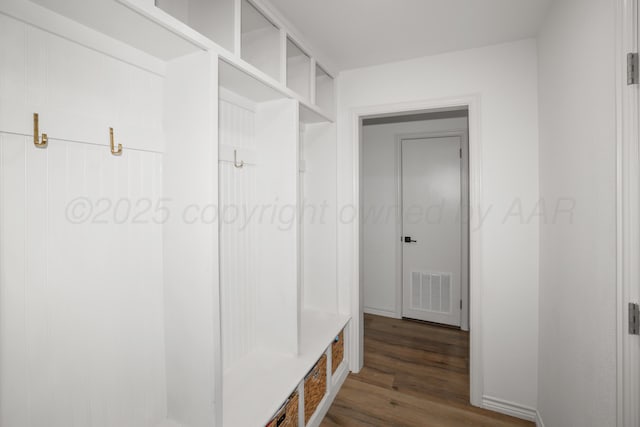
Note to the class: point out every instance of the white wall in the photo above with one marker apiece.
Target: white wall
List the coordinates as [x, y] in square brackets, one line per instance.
[380, 188]
[577, 255]
[505, 79]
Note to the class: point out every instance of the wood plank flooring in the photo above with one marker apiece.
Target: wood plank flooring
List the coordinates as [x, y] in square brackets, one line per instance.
[415, 375]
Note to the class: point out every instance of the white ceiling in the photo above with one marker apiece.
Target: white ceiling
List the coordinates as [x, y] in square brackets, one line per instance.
[357, 33]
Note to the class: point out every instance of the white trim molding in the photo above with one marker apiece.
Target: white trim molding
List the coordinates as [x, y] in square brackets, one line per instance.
[509, 408]
[628, 216]
[539, 422]
[472, 102]
[383, 313]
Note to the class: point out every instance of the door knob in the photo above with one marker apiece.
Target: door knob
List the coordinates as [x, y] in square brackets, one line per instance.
[407, 239]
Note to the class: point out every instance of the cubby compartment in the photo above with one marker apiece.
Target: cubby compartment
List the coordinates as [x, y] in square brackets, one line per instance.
[260, 40]
[270, 337]
[315, 388]
[258, 146]
[288, 414]
[213, 19]
[258, 229]
[325, 90]
[337, 352]
[298, 70]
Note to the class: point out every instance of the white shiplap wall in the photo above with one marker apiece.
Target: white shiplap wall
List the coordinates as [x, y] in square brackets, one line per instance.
[238, 279]
[81, 314]
[81, 305]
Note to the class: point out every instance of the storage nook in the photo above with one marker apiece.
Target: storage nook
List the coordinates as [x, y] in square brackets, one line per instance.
[288, 415]
[325, 90]
[260, 40]
[272, 151]
[298, 70]
[213, 19]
[223, 301]
[337, 352]
[315, 388]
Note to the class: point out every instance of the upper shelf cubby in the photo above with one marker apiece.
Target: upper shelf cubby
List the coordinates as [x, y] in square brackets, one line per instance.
[260, 41]
[213, 19]
[325, 90]
[298, 70]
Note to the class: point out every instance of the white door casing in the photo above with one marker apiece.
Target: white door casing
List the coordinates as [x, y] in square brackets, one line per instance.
[628, 215]
[431, 201]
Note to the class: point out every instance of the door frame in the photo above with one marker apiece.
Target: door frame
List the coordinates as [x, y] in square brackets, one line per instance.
[472, 103]
[628, 215]
[464, 201]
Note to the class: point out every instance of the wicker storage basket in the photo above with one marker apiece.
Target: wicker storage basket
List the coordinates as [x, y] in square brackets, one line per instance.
[315, 387]
[287, 416]
[337, 352]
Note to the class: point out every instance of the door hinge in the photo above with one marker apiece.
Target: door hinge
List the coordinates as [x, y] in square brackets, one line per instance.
[460, 304]
[461, 153]
[634, 319]
[632, 69]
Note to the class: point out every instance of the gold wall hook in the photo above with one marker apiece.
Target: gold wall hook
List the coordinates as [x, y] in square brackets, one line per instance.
[235, 160]
[36, 133]
[114, 151]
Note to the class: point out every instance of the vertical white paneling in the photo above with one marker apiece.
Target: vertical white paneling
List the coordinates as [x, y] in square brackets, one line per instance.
[38, 315]
[237, 237]
[13, 88]
[14, 389]
[12, 61]
[81, 302]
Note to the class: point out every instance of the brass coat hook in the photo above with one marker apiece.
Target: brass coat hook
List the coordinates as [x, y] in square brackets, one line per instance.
[114, 151]
[235, 160]
[36, 133]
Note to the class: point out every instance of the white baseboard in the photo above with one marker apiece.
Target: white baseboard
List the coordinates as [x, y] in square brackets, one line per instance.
[539, 422]
[334, 387]
[509, 408]
[383, 313]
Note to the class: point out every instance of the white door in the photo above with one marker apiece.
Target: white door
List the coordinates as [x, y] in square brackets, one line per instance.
[432, 248]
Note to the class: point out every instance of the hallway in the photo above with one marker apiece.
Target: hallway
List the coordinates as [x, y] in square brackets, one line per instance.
[415, 374]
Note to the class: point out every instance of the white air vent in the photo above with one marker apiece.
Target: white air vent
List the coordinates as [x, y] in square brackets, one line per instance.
[431, 292]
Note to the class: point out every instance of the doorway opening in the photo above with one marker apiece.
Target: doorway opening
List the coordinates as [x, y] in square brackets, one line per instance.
[414, 112]
[415, 243]
[415, 220]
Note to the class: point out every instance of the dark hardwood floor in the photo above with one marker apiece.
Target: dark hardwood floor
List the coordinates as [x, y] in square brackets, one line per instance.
[415, 375]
